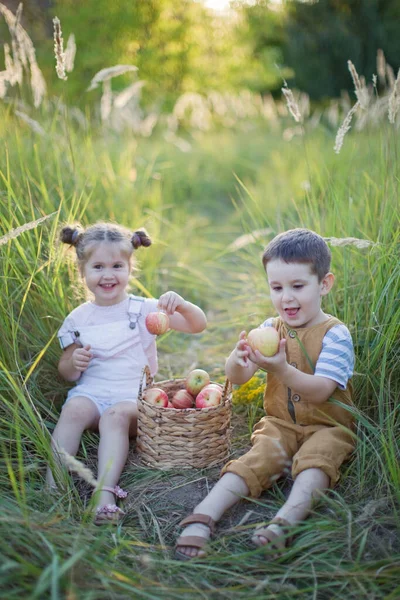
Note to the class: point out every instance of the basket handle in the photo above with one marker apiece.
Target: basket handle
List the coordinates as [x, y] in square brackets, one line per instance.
[227, 389]
[149, 380]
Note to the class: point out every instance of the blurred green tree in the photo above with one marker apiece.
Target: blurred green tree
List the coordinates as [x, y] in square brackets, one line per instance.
[153, 35]
[177, 46]
[314, 39]
[262, 28]
[322, 36]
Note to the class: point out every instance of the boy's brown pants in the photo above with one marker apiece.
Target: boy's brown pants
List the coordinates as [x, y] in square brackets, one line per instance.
[279, 445]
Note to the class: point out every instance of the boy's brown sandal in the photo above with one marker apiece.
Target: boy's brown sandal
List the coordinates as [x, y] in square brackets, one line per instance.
[193, 541]
[271, 536]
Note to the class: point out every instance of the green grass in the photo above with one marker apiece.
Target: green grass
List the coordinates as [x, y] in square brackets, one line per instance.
[195, 205]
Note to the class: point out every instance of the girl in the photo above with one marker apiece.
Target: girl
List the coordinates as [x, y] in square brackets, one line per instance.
[105, 348]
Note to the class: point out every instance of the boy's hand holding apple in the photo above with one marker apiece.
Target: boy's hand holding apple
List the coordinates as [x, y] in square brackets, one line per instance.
[276, 363]
[262, 347]
[241, 351]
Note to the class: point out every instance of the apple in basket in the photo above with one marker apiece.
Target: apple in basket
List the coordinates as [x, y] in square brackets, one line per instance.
[216, 386]
[182, 399]
[264, 339]
[157, 322]
[156, 397]
[196, 380]
[211, 395]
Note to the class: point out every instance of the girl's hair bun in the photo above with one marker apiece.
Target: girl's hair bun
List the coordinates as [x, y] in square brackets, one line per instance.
[70, 235]
[140, 238]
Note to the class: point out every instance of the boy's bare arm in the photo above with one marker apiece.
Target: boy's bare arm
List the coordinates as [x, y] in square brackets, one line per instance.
[316, 389]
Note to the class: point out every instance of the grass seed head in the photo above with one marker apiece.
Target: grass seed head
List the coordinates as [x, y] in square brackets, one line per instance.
[75, 465]
[26, 53]
[26, 227]
[70, 53]
[359, 86]
[381, 66]
[394, 100]
[345, 127]
[59, 49]
[109, 73]
[291, 103]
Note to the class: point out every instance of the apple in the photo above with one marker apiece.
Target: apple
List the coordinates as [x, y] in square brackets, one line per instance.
[157, 322]
[196, 380]
[156, 396]
[210, 395]
[216, 386]
[182, 399]
[265, 340]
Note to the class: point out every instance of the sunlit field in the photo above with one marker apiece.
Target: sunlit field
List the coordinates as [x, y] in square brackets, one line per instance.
[211, 199]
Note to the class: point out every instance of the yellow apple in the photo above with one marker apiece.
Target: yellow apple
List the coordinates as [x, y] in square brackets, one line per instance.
[264, 339]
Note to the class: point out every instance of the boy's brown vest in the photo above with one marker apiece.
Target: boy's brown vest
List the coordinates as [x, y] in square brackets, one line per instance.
[284, 403]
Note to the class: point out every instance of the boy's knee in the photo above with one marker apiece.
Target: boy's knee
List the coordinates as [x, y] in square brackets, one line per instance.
[234, 483]
[319, 470]
[316, 476]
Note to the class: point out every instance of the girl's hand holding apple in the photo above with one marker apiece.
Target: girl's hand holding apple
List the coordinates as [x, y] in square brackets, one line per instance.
[171, 302]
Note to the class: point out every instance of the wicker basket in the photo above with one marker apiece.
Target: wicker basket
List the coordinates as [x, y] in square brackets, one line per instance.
[183, 438]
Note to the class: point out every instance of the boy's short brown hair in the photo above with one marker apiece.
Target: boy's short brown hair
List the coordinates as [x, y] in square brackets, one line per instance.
[302, 246]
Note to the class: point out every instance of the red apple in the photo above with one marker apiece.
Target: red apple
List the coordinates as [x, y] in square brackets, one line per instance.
[182, 399]
[264, 339]
[211, 395]
[196, 380]
[156, 396]
[216, 386]
[157, 322]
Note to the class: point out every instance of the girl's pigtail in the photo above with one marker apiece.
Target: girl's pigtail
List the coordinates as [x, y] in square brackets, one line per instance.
[71, 235]
[140, 238]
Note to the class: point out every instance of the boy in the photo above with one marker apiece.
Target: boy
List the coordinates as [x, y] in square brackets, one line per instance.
[302, 430]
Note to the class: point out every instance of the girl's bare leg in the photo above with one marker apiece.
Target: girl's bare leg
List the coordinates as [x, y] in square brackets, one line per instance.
[227, 491]
[307, 486]
[116, 426]
[78, 414]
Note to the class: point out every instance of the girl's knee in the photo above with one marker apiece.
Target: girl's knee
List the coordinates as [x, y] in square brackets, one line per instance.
[79, 410]
[118, 417]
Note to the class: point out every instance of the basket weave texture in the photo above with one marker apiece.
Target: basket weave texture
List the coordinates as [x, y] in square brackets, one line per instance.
[183, 438]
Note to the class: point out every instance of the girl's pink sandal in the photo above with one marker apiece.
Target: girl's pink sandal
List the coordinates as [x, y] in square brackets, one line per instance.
[102, 512]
